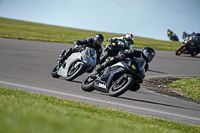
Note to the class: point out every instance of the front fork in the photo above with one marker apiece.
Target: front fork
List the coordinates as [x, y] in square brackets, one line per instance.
[121, 78]
[60, 57]
[61, 54]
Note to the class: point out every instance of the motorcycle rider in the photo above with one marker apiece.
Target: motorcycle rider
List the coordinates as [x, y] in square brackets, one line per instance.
[147, 53]
[89, 42]
[169, 33]
[195, 36]
[127, 45]
[172, 36]
[127, 39]
[184, 35]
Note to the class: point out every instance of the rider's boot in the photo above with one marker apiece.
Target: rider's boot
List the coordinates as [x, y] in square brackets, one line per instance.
[64, 55]
[61, 54]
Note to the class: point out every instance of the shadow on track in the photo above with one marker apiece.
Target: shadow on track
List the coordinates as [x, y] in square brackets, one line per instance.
[157, 103]
[156, 71]
[144, 101]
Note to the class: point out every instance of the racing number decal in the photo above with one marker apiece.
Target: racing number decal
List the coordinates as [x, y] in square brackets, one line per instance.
[133, 66]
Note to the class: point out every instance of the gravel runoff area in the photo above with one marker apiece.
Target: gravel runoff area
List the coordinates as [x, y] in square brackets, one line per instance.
[157, 85]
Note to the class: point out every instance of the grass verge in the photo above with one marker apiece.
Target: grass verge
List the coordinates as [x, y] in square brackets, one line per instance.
[189, 87]
[40, 32]
[29, 112]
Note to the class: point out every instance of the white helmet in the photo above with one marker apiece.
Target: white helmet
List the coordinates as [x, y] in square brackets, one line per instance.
[129, 37]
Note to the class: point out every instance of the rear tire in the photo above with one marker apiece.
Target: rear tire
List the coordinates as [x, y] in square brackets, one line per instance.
[193, 54]
[54, 72]
[118, 89]
[73, 74]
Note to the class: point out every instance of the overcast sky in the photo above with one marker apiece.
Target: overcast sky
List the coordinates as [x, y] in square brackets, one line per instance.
[145, 18]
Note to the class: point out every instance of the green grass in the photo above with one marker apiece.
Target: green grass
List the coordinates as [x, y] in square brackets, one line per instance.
[34, 31]
[23, 112]
[191, 87]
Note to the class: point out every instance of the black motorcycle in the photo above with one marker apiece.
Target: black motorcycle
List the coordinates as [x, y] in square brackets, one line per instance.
[173, 37]
[112, 49]
[116, 79]
[190, 46]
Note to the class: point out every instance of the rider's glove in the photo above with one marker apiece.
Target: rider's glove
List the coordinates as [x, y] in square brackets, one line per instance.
[75, 46]
[110, 39]
[76, 43]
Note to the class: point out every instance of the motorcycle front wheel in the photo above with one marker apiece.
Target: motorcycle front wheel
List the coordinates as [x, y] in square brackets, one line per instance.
[54, 72]
[87, 84]
[74, 72]
[118, 88]
[181, 50]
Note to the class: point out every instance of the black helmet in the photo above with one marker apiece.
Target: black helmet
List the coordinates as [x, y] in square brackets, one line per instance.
[148, 53]
[98, 39]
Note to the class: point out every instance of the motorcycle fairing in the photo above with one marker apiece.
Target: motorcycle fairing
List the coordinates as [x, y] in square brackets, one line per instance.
[191, 47]
[191, 44]
[74, 57]
[141, 67]
[113, 74]
[89, 57]
[117, 45]
[103, 85]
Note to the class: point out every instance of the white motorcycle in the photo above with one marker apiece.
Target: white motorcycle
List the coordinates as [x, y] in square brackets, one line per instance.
[76, 64]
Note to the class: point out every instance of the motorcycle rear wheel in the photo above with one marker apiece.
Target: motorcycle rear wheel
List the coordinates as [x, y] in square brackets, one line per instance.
[72, 74]
[54, 72]
[118, 89]
[193, 54]
[87, 84]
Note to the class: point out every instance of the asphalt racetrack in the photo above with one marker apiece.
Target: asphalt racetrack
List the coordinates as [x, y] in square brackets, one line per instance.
[26, 65]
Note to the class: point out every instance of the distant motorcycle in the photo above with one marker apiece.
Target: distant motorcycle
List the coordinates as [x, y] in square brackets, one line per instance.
[190, 46]
[112, 49]
[76, 64]
[116, 79]
[173, 37]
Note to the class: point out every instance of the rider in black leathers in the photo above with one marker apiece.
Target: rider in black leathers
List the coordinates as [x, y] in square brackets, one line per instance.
[184, 35]
[89, 42]
[127, 44]
[147, 53]
[195, 36]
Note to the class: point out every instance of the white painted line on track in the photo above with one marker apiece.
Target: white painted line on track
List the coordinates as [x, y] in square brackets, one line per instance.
[99, 100]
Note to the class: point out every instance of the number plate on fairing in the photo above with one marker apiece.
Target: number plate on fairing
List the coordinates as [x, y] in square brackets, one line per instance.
[102, 85]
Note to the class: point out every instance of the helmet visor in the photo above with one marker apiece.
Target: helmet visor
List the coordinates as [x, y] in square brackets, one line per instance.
[149, 56]
[128, 39]
[98, 42]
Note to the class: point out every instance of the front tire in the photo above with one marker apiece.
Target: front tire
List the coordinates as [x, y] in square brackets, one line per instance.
[54, 72]
[119, 88]
[87, 84]
[180, 50]
[75, 72]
